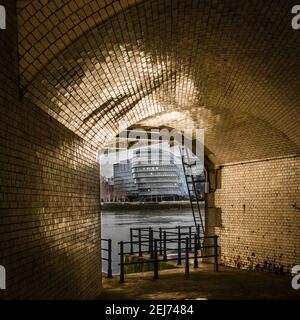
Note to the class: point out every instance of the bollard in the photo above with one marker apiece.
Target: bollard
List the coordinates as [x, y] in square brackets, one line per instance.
[155, 262]
[160, 242]
[187, 262]
[109, 269]
[195, 251]
[179, 247]
[140, 243]
[131, 241]
[165, 246]
[216, 253]
[121, 262]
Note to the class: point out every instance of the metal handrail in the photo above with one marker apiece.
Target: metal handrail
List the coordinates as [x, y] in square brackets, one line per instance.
[108, 258]
[154, 251]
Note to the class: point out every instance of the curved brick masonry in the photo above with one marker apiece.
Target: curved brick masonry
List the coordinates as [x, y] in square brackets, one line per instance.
[49, 196]
[231, 68]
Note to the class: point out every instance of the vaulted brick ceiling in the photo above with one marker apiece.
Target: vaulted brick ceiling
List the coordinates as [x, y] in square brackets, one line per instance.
[230, 67]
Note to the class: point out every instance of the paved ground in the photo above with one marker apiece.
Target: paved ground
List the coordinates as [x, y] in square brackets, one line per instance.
[203, 284]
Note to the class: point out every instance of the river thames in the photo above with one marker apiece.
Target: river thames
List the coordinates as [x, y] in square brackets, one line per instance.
[116, 225]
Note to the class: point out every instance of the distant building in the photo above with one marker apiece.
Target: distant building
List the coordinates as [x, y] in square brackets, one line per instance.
[125, 188]
[156, 175]
[107, 189]
[153, 174]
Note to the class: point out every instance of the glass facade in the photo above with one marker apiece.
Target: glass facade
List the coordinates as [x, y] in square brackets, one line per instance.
[155, 174]
[124, 186]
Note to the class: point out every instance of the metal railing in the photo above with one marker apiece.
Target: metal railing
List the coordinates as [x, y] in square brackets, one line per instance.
[108, 257]
[148, 234]
[186, 242]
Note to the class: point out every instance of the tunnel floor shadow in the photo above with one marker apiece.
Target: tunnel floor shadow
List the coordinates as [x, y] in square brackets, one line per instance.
[202, 284]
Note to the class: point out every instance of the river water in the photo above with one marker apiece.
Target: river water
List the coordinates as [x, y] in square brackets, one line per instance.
[116, 225]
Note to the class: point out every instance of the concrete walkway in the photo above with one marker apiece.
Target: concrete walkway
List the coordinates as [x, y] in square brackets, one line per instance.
[202, 284]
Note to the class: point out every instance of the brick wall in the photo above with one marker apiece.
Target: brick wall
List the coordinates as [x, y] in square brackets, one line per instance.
[260, 228]
[49, 195]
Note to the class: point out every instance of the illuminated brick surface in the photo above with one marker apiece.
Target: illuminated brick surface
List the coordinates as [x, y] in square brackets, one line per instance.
[260, 225]
[49, 196]
[230, 67]
[84, 67]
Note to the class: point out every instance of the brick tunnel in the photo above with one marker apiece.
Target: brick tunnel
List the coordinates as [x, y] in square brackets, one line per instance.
[72, 71]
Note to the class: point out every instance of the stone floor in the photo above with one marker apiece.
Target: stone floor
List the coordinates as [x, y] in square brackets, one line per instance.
[202, 284]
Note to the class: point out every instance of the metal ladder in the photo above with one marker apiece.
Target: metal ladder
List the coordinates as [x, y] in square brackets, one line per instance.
[192, 190]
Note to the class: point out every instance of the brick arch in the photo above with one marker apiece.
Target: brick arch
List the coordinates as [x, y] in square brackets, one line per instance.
[242, 57]
[47, 27]
[216, 65]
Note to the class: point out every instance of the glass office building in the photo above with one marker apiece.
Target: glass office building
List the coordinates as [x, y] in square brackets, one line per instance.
[125, 188]
[156, 175]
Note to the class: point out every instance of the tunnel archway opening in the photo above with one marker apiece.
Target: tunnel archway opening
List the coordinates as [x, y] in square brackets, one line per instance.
[89, 71]
[144, 182]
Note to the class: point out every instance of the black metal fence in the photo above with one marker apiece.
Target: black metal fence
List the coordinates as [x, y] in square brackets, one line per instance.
[108, 255]
[162, 234]
[157, 245]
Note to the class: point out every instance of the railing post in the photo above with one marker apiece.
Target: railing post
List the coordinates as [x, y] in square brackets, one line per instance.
[140, 243]
[121, 262]
[165, 246]
[179, 247]
[195, 251]
[187, 262]
[131, 241]
[151, 244]
[216, 253]
[155, 262]
[160, 241]
[190, 237]
[198, 235]
[109, 269]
